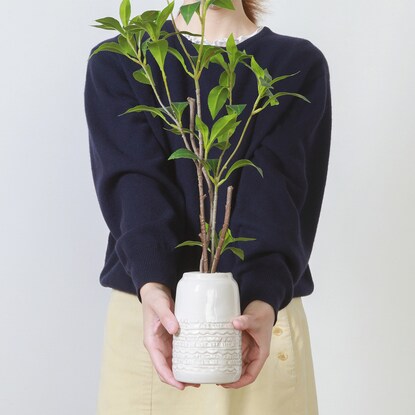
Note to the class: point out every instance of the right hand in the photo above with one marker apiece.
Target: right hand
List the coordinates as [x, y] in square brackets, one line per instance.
[159, 324]
[256, 325]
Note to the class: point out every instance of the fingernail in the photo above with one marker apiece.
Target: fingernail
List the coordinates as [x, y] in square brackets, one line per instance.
[171, 327]
[237, 322]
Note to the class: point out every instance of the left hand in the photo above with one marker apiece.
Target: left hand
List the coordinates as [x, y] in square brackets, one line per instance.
[159, 324]
[256, 323]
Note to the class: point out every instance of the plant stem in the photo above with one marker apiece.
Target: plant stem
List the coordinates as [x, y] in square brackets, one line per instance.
[203, 235]
[213, 227]
[200, 168]
[181, 41]
[224, 228]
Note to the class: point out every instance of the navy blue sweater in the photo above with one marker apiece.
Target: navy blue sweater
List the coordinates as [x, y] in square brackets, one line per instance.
[151, 204]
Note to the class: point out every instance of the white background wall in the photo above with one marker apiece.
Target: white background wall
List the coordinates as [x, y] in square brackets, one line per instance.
[53, 237]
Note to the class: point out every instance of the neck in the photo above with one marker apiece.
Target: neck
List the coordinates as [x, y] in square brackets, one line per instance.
[219, 22]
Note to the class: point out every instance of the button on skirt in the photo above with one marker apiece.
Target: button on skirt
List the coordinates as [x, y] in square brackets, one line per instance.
[129, 385]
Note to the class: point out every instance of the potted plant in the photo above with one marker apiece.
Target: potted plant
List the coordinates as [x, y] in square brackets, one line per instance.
[207, 348]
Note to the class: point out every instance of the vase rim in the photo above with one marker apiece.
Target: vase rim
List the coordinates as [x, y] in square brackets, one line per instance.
[200, 274]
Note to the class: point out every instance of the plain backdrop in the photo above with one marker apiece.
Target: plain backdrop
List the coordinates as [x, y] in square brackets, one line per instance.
[53, 237]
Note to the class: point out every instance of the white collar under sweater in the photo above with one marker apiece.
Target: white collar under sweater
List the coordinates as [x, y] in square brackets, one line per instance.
[222, 41]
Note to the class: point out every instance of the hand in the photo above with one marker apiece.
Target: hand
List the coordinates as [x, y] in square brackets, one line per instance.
[159, 324]
[256, 323]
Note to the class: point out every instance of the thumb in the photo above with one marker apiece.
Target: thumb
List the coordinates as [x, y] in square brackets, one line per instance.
[168, 320]
[242, 322]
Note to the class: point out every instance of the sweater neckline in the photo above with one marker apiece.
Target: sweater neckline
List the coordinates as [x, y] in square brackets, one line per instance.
[222, 41]
[260, 33]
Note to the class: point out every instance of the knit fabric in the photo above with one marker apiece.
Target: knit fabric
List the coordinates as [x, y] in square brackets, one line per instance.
[151, 204]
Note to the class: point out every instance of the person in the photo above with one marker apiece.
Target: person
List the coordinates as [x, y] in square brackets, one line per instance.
[150, 205]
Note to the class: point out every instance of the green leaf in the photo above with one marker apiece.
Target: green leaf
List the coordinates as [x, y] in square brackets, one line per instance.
[235, 108]
[219, 60]
[189, 243]
[141, 76]
[139, 108]
[134, 29]
[125, 12]
[177, 110]
[208, 52]
[177, 131]
[222, 125]
[273, 102]
[194, 59]
[159, 50]
[101, 26]
[265, 82]
[164, 14]
[179, 107]
[183, 153]
[280, 94]
[180, 58]
[109, 47]
[223, 145]
[228, 239]
[152, 30]
[188, 10]
[223, 79]
[231, 48]
[225, 4]
[267, 75]
[256, 68]
[204, 129]
[241, 239]
[280, 78]
[211, 164]
[126, 47]
[110, 22]
[216, 99]
[237, 251]
[237, 165]
[149, 15]
[173, 130]
[150, 72]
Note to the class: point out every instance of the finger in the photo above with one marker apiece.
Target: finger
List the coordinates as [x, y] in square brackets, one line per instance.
[242, 322]
[167, 318]
[249, 376]
[163, 369]
[195, 385]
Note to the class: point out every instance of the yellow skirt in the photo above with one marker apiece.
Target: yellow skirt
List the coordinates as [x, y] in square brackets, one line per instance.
[129, 385]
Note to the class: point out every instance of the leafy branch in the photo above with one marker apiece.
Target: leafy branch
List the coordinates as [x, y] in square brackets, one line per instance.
[199, 138]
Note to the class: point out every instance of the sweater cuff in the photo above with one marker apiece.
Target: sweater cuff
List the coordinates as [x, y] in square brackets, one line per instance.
[148, 260]
[267, 279]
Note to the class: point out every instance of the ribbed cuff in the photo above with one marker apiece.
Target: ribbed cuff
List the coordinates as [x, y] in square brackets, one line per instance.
[149, 261]
[267, 279]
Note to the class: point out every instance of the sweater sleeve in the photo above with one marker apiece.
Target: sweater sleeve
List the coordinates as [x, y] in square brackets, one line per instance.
[281, 210]
[140, 202]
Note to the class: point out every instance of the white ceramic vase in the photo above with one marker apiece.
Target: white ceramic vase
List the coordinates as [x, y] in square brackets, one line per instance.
[207, 348]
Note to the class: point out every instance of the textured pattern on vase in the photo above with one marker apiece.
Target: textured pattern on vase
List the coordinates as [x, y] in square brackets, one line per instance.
[207, 347]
